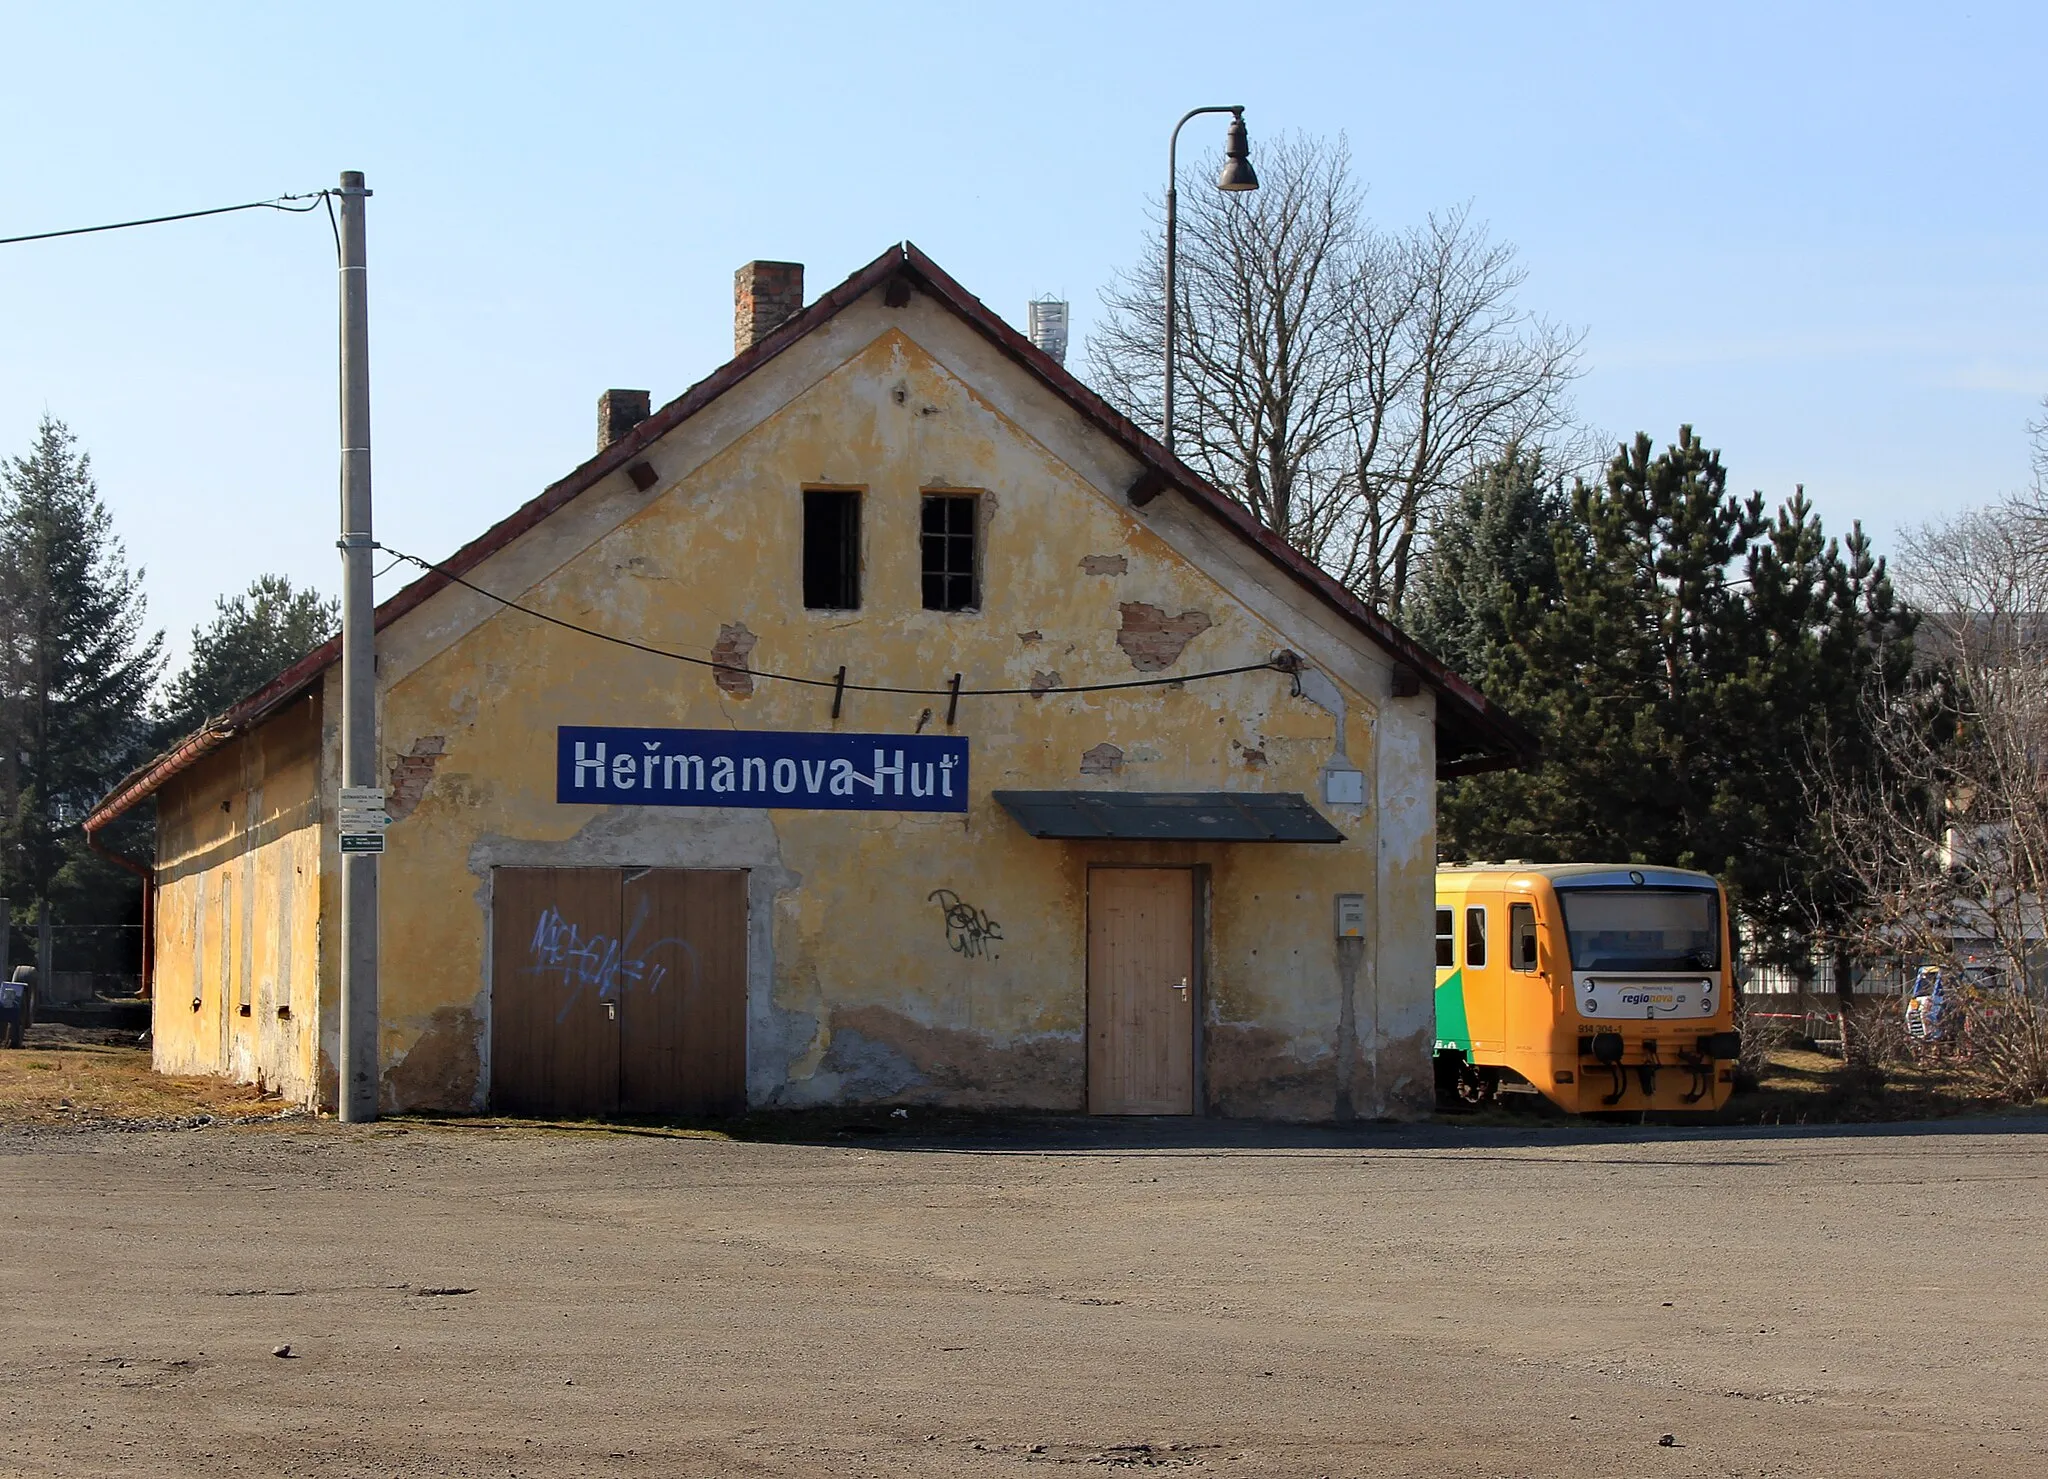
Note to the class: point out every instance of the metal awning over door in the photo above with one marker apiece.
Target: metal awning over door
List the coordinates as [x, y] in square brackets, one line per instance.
[1169, 816]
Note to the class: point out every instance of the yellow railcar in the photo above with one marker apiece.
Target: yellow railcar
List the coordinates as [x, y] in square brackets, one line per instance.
[1605, 987]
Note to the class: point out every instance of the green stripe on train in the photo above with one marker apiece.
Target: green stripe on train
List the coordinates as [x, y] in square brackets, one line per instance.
[1452, 1031]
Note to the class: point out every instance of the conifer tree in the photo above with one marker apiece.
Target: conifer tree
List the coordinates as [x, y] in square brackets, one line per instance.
[1492, 565]
[1685, 671]
[254, 635]
[76, 669]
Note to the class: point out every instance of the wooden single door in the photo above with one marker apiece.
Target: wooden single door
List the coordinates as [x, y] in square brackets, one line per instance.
[554, 991]
[683, 989]
[1141, 991]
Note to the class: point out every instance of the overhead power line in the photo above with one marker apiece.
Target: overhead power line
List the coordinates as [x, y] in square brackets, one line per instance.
[838, 684]
[276, 203]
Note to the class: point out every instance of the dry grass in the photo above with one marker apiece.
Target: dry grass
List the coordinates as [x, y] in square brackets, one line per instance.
[64, 1076]
[69, 1077]
[1796, 1086]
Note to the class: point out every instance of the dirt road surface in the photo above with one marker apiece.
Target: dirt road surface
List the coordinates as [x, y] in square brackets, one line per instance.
[1066, 1298]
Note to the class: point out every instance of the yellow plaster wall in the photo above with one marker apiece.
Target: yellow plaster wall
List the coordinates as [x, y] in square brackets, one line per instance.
[237, 915]
[861, 992]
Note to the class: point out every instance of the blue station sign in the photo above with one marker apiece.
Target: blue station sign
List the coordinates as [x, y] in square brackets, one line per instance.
[760, 767]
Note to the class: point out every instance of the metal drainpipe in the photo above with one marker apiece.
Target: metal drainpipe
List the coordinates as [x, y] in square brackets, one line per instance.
[147, 874]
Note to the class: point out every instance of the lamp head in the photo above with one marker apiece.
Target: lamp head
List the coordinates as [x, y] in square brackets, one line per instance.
[1238, 173]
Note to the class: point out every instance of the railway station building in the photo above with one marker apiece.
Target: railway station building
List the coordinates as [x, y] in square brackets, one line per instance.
[886, 720]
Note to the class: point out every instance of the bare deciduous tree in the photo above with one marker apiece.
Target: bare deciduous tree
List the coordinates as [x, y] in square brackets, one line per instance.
[1948, 837]
[1339, 380]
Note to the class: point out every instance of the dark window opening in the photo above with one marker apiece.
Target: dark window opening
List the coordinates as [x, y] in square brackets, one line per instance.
[948, 540]
[1475, 937]
[1522, 928]
[831, 549]
[1446, 941]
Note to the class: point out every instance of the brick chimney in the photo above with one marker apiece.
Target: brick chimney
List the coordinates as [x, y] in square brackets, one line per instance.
[765, 295]
[618, 412]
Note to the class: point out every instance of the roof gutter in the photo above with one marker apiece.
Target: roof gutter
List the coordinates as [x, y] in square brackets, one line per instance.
[140, 782]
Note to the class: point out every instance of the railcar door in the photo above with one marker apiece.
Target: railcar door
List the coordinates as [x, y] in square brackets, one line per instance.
[1485, 1007]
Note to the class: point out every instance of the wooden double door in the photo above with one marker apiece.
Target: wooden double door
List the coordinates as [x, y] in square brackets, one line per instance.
[618, 991]
[1142, 991]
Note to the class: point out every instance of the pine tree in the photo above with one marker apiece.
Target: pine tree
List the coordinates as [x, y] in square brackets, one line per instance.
[254, 636]
[76, 668]
[1492, 565]
[1683, 672]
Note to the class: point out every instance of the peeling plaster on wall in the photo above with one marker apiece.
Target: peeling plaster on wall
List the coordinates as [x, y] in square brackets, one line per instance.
[1317, 688]
[731, 649]
[664, 837]
[1041, 680]
[1320, 690]
[795, 1034]
[444, 1068]
[412, 773]
[1408, 1088]
[1252, 1070]
[1103, 759]
[857, 1069]
[1152, 639]
[1027, 638]
[1105, 565]
[881, 1054]
[1404, 812]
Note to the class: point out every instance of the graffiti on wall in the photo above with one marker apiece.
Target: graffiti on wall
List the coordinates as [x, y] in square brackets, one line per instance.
[968, 930]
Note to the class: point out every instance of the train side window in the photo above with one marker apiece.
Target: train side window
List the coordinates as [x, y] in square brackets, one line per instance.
[1475, 936]
[1522, 936]
[1446, 941]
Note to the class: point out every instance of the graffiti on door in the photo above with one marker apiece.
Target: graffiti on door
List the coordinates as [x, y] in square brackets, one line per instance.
[586, 960]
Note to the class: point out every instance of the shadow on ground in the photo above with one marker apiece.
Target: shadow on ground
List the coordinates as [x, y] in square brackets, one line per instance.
[923, 1130]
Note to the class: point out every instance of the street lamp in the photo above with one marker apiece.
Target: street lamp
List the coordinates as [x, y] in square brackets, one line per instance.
[1237, 175]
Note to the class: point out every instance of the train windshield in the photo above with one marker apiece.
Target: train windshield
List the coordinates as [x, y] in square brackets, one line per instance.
[1642, 929]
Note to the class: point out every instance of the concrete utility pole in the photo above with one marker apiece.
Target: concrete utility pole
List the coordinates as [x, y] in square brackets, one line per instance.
[360, 1069]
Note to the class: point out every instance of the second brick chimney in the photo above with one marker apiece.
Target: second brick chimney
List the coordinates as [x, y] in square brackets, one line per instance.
[764, 296]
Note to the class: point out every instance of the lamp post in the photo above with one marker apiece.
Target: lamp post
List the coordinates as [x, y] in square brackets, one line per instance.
[1237, 175]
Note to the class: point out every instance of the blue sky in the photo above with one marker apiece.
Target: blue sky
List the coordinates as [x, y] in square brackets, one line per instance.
[1818, 233]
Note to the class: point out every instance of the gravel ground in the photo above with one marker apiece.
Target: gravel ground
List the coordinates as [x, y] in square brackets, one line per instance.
[1216, 1299]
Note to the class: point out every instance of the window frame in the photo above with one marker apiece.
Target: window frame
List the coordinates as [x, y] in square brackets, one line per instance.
[1446, 939]
[853, 552]
[1475, 914]
[976, 549]
[1522, 916]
